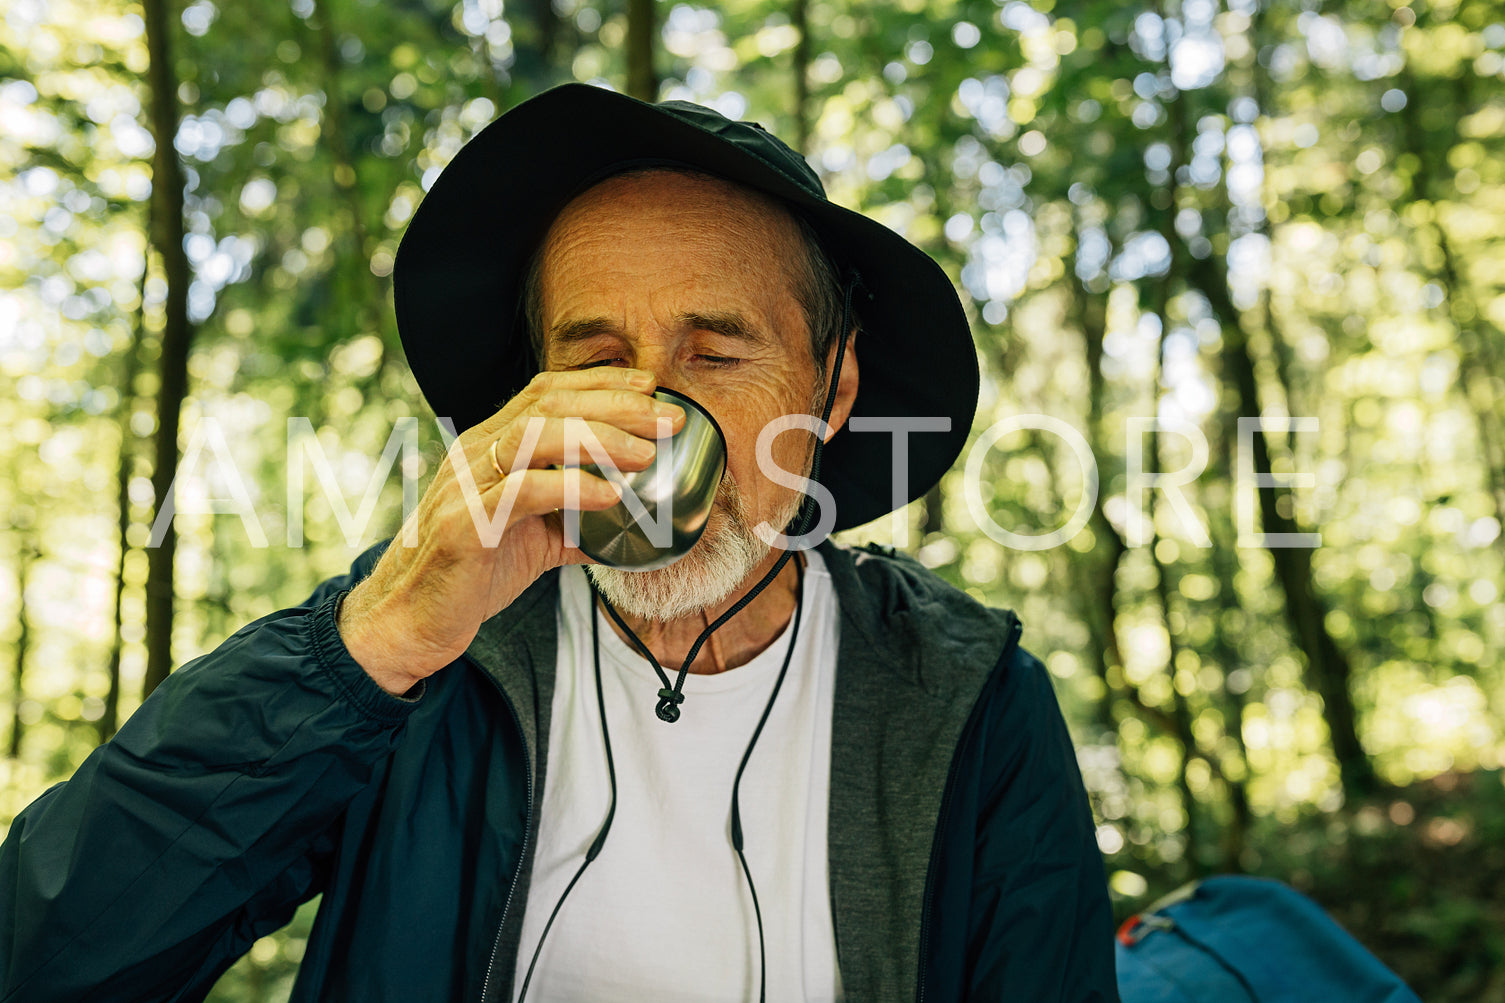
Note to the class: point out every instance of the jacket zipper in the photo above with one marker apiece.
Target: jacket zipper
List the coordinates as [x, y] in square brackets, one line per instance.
[1008, 646]
[527, 838]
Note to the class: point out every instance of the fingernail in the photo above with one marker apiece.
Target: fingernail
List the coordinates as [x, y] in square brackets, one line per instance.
[667, 410]
[643, 449]
[640, 378]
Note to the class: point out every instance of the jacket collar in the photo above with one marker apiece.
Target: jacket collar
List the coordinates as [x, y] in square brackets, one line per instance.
[914, 656]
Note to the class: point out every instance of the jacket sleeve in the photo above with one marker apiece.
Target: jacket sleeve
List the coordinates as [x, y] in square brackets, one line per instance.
[1041, 925]
[203, 824]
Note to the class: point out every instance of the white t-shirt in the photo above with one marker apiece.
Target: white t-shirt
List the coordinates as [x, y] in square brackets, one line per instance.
[663, 913]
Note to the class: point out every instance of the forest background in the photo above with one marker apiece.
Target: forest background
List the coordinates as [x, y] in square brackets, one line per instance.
[1181, 209]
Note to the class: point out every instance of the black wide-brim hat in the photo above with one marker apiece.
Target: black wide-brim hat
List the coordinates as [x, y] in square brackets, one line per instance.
[460, 269]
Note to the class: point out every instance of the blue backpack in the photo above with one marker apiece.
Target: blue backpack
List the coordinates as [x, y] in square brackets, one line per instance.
[1238, 939]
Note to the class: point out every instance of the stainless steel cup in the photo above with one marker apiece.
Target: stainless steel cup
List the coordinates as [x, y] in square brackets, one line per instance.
[664, 508]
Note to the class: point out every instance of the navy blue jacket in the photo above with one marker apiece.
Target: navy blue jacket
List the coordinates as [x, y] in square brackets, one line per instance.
[962, 856]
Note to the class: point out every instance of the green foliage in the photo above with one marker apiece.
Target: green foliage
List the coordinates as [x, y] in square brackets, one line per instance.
[1146, 207]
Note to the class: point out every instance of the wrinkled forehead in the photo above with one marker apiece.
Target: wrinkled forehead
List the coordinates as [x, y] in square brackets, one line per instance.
[657, 231]
[674, 182]
[718, 206]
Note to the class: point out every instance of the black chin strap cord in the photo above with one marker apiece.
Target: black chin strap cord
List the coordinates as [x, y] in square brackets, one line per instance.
[736, 815]
[611, 810]
[670, 696]
[736, 826]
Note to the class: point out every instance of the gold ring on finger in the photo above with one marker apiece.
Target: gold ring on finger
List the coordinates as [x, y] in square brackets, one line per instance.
[495, 463]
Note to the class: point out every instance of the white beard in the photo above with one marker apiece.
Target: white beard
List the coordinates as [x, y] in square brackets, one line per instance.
[719, 562]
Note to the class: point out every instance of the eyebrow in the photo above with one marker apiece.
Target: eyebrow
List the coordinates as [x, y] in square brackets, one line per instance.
[727, 325]
[568, 332]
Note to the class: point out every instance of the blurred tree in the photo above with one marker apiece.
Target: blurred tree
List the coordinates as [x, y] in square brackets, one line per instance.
[109, 718]
[539, 39]
[799, 17]
[1306, 611]
[1478, 341]
[177, 332]
[26, 557]
[352, 265]
[642, 27]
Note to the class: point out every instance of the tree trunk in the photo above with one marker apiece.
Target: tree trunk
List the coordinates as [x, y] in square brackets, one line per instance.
[365, 288]
[799, 16]
[1329, 672]
[642, 26]
[177, 333]
[109, 721]
[1235, 835]
[1180, 709]
[1098, 589]
[1479, 370]
[536, 41]
[1099, 570]
[1263, 93]
[334, 130]
[26, 556]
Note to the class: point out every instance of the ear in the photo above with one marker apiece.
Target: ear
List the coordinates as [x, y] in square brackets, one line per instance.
[846, 390]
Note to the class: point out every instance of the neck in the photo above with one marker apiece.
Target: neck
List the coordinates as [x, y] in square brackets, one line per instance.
[735, 642]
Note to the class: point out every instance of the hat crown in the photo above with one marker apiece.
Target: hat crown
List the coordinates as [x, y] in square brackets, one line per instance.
[753, 139]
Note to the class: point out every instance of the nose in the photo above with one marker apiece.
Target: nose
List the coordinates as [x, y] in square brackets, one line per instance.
[659, 361]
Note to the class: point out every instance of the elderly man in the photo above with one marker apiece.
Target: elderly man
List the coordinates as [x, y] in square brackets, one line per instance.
[857, 785]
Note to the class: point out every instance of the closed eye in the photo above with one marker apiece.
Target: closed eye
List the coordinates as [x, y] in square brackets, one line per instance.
[719, 361]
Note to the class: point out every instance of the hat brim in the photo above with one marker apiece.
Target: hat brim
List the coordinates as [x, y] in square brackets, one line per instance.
[459, 270]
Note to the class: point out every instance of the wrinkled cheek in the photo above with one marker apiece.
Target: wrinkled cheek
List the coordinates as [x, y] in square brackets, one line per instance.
[729, 508]
[749, 492]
